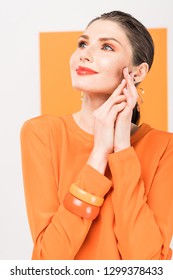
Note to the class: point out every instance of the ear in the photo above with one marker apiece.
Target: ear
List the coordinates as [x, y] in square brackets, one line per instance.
[139, 72]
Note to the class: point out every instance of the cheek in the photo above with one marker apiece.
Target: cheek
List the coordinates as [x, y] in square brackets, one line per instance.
[112, 70]
[72, 60]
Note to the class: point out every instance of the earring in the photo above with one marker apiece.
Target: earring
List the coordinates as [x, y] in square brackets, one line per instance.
[140, 99]
[81, 96]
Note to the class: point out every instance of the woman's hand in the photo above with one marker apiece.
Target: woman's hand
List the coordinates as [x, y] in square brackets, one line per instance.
[123, 120]
[104, 126]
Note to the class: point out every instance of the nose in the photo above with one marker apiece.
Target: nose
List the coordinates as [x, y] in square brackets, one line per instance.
[86, 55]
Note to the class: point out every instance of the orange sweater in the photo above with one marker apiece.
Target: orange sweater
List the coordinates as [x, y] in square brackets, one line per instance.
[136, 218]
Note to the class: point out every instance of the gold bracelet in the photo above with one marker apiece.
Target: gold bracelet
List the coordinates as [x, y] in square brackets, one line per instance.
[85, 196]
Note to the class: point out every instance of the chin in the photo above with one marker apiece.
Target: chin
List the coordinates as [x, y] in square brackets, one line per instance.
[78, 87]
[97, 88]
[81, 86]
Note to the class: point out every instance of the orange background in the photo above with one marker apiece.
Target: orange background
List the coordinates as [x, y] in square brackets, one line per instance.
[58, 97]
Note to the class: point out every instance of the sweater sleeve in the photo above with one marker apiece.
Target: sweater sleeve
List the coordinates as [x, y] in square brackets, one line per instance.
[143, 224]
[56, 232]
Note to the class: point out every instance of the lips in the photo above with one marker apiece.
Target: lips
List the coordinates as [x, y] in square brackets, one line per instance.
[85, 71]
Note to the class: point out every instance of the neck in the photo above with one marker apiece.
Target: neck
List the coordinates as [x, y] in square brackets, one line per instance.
[92, 102]
[84, 118]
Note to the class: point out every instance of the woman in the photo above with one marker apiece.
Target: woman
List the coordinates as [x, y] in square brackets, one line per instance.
[97, 185]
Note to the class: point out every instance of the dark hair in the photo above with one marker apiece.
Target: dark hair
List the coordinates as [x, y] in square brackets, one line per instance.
[139, 38]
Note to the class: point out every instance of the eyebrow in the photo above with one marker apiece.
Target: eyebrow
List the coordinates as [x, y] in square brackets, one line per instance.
[103, 39]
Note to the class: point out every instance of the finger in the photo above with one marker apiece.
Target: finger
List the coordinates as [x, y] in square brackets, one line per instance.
[115, 110]
[117, 92]
[131, 97]
[119, 89]
[130, 85]
[103, 111]
[128, 77]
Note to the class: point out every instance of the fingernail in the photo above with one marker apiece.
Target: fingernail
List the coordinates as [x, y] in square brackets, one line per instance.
[123, 81]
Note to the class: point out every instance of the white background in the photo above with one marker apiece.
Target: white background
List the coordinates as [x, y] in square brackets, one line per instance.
[21, 22]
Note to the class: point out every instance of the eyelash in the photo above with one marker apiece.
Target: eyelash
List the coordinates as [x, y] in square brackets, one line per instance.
[110, 48]
[81, 43]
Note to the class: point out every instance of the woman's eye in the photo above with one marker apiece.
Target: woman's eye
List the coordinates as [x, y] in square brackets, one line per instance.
[82, 44]
[107, 48]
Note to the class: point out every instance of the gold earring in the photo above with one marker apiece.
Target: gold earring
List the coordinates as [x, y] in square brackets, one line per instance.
[81, 96]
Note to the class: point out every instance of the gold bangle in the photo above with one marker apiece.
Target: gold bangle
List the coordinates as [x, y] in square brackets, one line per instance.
[85, 196]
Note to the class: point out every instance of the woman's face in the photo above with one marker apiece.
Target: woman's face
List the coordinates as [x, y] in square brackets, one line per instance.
[103, 51]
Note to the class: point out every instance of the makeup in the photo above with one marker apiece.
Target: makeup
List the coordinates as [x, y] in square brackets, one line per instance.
[82, 71]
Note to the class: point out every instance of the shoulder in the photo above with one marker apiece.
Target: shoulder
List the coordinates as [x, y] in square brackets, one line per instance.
[43, 122]
[153, 142]
[161, 135]
[161, 141]
[42, 126]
